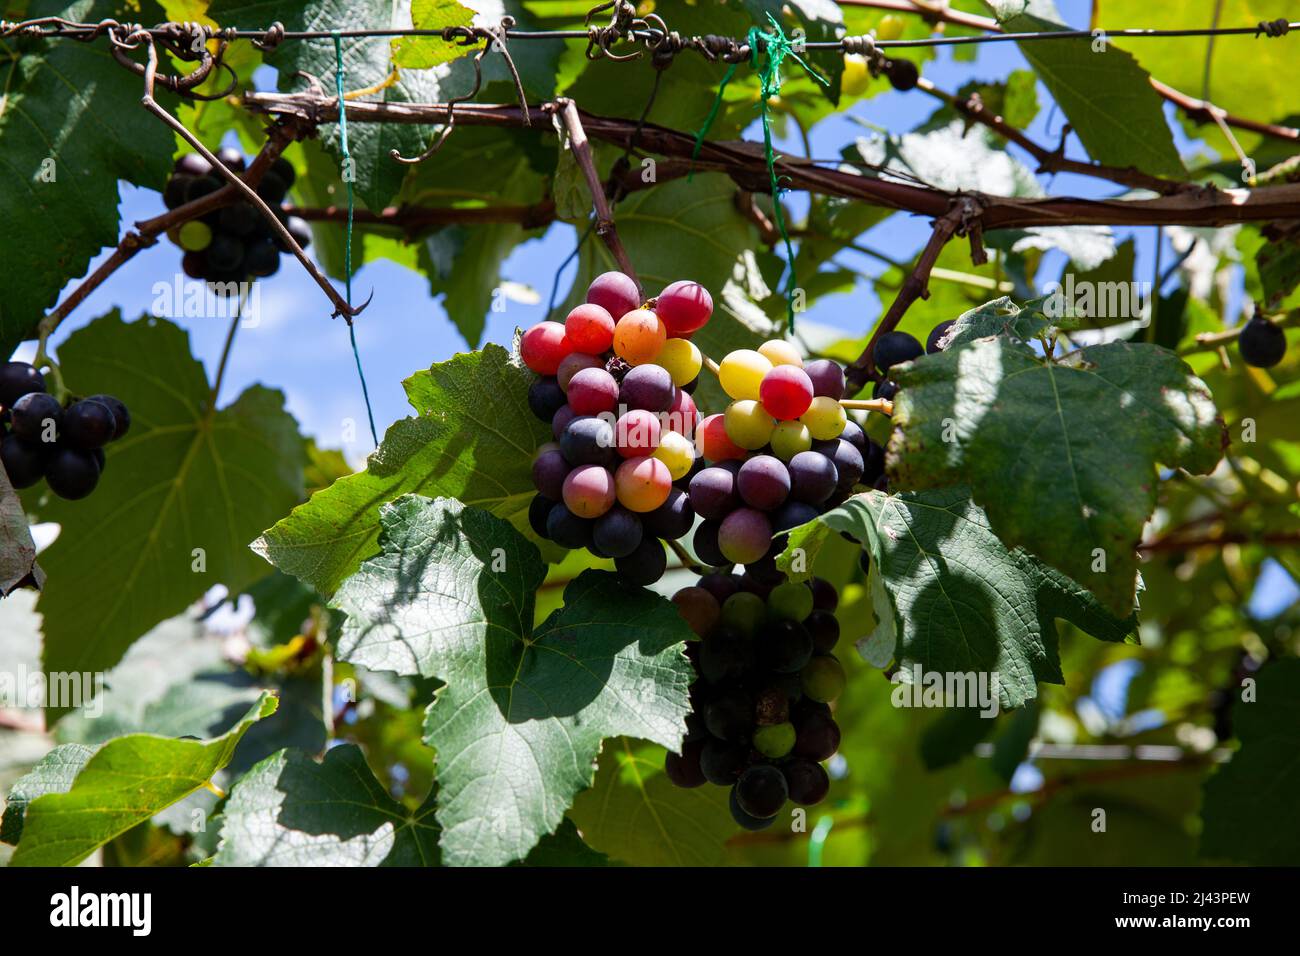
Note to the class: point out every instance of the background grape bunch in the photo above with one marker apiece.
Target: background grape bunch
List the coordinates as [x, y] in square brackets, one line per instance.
[43, 438]
[235, 242]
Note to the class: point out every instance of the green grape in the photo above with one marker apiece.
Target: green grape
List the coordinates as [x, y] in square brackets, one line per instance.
[195, 236]
[743, 612]
[676, 451]
[825, 418]
[682, 359]
[790, 438]
[775, 741]
[823, 678]
[748, 424]
[790, 601]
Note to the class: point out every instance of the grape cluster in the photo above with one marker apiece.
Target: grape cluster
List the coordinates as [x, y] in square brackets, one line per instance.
[615, 383]
[40, 438]
[232, 243]
[765, 679]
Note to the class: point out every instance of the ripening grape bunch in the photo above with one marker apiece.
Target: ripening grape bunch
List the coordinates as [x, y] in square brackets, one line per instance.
[235, 242]
[761, 721]
[41, 438]
[615, 383]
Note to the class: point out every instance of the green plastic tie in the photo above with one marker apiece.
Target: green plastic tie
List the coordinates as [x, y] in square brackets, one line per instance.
[347, 246]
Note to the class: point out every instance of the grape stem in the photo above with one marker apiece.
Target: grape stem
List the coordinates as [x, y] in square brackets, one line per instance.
[711, 365]
[882, 405]
[685, 558]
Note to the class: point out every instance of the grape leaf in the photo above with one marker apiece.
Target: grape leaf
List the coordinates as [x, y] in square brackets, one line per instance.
[473, 439]
[1248, 805]
[367, 62]
[636, 815]
[17, 551]
[1061, 455]
[999, 317]
[422, 52]
[125, 783]
[291, 811]
[519, 723]
[957, 599]
[564, 847]
[182, 494]
[62, 159]
[54, 774]
[1107, 96]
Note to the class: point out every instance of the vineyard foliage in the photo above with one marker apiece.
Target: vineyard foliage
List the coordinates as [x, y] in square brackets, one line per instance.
[1095, 508]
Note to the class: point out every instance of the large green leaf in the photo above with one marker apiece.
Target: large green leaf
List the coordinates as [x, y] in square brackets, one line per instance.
[125, 783]
[520, 719]
[473, 439]
[62, 157]
[1248, 809]
[951, 597]
[1107, 96]
[635, 814]
[1061, 454]
[367, 62]
[186, 477]
[291, 811]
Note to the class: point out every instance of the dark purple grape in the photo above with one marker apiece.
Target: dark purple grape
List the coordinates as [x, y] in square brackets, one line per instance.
[764, 570]
[895, 348]
[827, 378]
[825, 597]
[789, 515]
[884, 389]
[272, 189]
[1261, 343]
[763, 482]
[649, 387]
[683, 769]
[807, 781]
[854, 435]
[72, 473]
[195, 265]
[18, 379]
[672, 519]
[261, 258]
[36, 417]
[560, 422]
[873, 463]
[818, 737]
[225, 253]
[746, 820]
[705, 545]
[588, 440]
[299, 229]
[617, 532]
[192, 164]
[690, 387]
[238, 219]
[731, 717]
[903, 75]
[545, 398]
[566, 529]
[824, 629]
[761, 791]
[722, 762]
[724, 656]
[120, 414]
[284, 169]
[539, 509]
[720, 585]
[175, 190]
[936, 333]
[784, 647]
[231, 158]
[645, 565]
[549, 471]
[813, 477]
[847, 461]
[713, 493]
[23, 462]
[87, 424]
[201, 186]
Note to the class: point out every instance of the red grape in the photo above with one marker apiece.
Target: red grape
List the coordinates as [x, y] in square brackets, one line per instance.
[572, 364]
[616, 293]
[592, 391]
[544, 346]
[637, 433]
[712, 441]
[786, 392]
[590, 328]
[684, 307]
[682, 416]
[589, 491]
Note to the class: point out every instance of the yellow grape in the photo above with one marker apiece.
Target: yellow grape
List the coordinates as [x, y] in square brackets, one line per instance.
[639, 336]
[825, 418]
[780, 352]
[682, 358]
[790, 438]
[856, 77]
[676, 451]
[748, 424]
[741, 373]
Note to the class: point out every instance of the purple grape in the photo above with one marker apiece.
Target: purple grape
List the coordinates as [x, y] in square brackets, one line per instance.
[649, 387]
[825, 597]
[617, 532]
[566, 529]
[854, 435]
[713, 493]
[936, 333]
[588, 440]
[560, 422]
[645, 565]
[720, 585]
[791, 515]
[884, 389]
[873, 463]
[827, 378]
[813, 477]
[549, 471]
[847, 460]
[539, 509]
[705, 544]
[895, 348]
[672, 519]
[545, 398]
[763, 482]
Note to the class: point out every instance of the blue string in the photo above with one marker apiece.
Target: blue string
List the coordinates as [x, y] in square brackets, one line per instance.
[347, 248]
